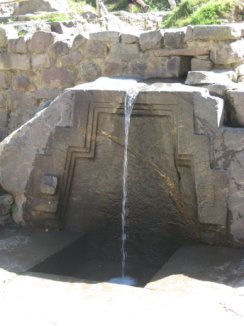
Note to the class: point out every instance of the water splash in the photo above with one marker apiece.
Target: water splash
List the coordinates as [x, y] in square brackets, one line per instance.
[130, 98]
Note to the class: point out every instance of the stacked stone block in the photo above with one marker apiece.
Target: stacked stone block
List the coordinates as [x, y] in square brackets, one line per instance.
[35, 68]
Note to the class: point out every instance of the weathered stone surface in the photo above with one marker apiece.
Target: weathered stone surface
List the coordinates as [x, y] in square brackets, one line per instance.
[95, 49]
[229, 153]
[116, 69]
[4, 219]
[228, 53]
[19, 61]
[3, 133]
[106, 36]
[193, 52]
[49, 184]
[210, 77]
[35, 135]
[17, 45]
[6, 200]
[150, 40]
[3, 117]
[90, 71]
[201, 65]
[40, 41]
[80, 41]
[14, 61]
[22, 83]
[236, 98]
[174, 39]
[218, 89]
[129, 38]
[46, 93]
[58, 77]
[59, 48]
[176, 108]
[23, 108]
[123, 52]
[178, 66]
[5, 80]
[32, 6]
[40, 61]
[216, 32]
[44, 205]
[71, 59]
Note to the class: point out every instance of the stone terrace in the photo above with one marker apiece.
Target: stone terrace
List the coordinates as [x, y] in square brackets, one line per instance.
[36, 67]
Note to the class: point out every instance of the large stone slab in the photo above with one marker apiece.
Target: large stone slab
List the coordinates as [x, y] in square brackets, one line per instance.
[83, 131]
[216, 32]
[236, 98]
[228, 53]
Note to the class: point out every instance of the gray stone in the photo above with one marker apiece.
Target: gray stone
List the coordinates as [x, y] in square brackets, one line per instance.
[23, 107]
[3, 133]
[4, 219]
[40, 41]
[123, 52]
[189, 52]
[44, 205]
[22, 83]
[58, 78]
[218, 90]
[188, 33]
[6, 201]
[150, 40]
[90, 71]
[57, 27]
[19, 61]
[95, 49]
[14, 61]
[228, 53]
[80, 41]
[3, 118]
[129, 38]
[33, 6]
[106, 36]
[201, 65]
[59, 48]
[178, 66]
[236, 98]
[5, 80]
[216, 32]
[209, 77]
[83, 130]
[49, 184]
[229, 153]
[174, 39]
[46, 93]
[71, 59]
[40, 61]
[17, 45]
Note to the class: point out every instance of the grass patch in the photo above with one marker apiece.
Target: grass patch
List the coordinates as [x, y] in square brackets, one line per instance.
[203, 12]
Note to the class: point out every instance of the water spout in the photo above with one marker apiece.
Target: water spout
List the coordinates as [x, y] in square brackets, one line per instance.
[130, 98]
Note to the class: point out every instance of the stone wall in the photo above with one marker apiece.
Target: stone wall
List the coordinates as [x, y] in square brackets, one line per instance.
[35, 68]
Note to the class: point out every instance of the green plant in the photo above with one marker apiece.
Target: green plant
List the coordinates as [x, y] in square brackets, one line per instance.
[201, 12]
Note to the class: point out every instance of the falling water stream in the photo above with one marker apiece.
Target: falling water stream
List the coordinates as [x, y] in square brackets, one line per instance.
[130, 98]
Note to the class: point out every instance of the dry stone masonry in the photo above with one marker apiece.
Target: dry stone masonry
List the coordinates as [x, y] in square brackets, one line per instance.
[50, 138]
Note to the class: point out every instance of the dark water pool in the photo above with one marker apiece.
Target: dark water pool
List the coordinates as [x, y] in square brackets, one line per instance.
[76, 261]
